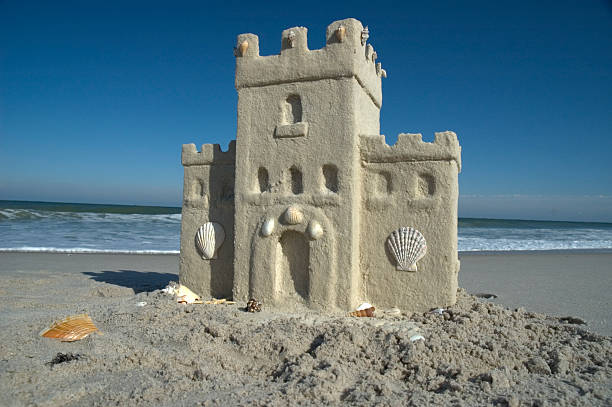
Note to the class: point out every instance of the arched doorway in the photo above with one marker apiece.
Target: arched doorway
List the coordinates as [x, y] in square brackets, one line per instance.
[292, 263]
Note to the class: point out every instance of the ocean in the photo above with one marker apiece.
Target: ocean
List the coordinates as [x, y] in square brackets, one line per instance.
[91, 228]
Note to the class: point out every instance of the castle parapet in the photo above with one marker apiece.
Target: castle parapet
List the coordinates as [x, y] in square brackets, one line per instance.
[346, 54]
[210, 154]
[411, 147]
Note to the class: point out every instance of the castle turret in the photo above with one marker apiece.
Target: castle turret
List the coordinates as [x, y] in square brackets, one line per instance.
[300, 114]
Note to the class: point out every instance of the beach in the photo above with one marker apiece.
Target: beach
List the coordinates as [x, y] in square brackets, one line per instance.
[153, 351]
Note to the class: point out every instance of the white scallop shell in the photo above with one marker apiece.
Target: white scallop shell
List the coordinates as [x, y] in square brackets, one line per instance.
[408, 246]
[293, 216]
[209, 238]
[268, 227]
[315, 230]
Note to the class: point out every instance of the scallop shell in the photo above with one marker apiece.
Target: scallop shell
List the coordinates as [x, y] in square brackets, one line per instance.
[268, 227]
[71, 328]
[209, 238]
[408, 246]
[315, 230]
[293, 216]
[243, 47]
[368, 312]
[341, 33]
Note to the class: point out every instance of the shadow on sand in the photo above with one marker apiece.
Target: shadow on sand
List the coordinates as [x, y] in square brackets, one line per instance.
[139, 281]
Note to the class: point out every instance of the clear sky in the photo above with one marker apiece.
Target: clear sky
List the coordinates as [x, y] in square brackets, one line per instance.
[97, 97]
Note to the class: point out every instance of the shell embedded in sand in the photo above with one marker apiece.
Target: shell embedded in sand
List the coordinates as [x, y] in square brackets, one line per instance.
[368, 312]
[268, 227]
[365, 34]
[243, 47]
[341, 33]
[71, 328]
[291, 39]
[209, 238]
[253, 305]
[185, 296]
[315, 230]
[293, 216]
[407, 246]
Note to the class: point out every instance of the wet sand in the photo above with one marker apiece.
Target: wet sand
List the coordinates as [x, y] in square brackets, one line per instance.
[162, 353]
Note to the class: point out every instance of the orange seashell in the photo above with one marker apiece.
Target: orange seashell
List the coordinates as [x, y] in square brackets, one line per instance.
[368, 312]
[71, 328]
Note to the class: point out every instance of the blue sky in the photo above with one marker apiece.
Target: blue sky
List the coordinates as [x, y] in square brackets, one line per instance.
[97, 97]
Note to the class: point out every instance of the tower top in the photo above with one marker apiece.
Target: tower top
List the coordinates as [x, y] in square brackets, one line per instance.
[345, 55]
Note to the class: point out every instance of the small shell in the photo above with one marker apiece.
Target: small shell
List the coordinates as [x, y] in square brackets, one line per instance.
[341, 33]
[209, 238]
[365, 34]
[268, 227]
[243, 47]
[71, 328]
[315, 230]
[185, 296]
[291, 39]
[363, 306]
[417, 337]
[253, 305]
[293, 216]
[407, 246]
[368, 312]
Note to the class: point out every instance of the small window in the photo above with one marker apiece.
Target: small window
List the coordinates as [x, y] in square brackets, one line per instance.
[330, 177]
[263, 180]
[296, 181]
[292, 110]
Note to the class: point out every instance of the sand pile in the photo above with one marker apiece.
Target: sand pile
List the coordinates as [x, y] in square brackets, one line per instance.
[163, 353]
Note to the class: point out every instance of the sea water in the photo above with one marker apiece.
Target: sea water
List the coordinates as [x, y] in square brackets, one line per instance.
[90, 228]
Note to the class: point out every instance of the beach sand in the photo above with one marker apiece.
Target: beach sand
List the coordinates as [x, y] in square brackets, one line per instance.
[163, 353]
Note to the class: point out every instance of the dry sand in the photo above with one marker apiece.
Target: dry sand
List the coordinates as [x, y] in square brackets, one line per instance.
[163, 353]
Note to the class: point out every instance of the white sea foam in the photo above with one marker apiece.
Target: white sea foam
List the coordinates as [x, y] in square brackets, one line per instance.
[79, 250]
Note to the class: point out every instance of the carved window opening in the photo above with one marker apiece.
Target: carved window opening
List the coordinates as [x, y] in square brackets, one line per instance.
[330, 177]
[296, 181]
[426, 185]
[292, 110]
[263, 180]
[202, 188]
[383, 183]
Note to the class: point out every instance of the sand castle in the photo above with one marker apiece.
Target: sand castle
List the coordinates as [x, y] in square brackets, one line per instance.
[305, 204]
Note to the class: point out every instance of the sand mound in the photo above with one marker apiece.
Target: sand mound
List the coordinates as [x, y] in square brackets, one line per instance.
[163, 353]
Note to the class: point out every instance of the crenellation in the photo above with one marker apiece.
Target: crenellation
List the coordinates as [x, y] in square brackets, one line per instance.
[210, 154]
[411, 147]
[344, 56]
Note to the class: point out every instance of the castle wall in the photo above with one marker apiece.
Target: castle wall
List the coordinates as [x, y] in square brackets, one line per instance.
[410, 184]
[208, 196]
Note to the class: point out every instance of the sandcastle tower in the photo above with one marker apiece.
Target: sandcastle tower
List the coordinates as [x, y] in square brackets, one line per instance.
[306, 199]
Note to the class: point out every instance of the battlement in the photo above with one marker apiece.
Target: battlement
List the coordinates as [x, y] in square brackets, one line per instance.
[210, 154]
[411, 147]
[345, 55]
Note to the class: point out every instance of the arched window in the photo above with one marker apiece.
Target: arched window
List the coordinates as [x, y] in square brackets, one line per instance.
[330, 177]
[263, 180]
[292, 110]
[296, 180]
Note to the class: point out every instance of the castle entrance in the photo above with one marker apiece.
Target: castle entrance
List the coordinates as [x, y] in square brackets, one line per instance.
[292, 261]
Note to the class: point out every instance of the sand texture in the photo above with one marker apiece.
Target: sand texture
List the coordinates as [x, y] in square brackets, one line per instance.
[163, 353]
